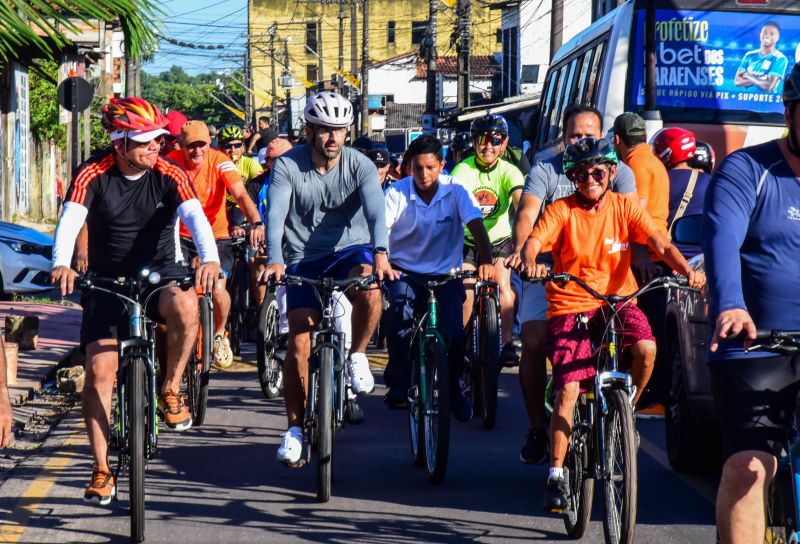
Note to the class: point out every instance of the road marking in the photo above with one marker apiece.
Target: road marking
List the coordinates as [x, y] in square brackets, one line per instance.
[660, 457]
[12, 529]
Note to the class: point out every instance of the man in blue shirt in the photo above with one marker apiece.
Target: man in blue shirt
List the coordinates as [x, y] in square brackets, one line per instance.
[751, 241]
[764, 67]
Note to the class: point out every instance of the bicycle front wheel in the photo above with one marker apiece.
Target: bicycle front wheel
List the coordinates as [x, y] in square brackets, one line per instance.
[238, 314]
[270, 367]
[416, 428]
[199, 364]
[581, 486]
[136, 386]
[325, 425]
[620, 490]
[436, 410]
[489, 359]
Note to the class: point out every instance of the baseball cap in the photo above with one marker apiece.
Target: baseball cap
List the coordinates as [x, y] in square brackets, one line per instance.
[141, 136]
[629, 124]
[176, 121]
[195, 131]
[378, 156]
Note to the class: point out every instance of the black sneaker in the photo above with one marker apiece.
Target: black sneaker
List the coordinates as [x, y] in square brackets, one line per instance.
[534, 452]
[353, 413]
[556, 496]
[396, 398]
[508, 356]
[460, 406]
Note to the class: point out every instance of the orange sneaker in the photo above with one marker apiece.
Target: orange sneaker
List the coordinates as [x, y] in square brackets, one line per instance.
[651, 411]
[102, 488]
[174, 411]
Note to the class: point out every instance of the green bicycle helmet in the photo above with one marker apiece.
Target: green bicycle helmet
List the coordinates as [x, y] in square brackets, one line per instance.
[230, 132]
[588, 152]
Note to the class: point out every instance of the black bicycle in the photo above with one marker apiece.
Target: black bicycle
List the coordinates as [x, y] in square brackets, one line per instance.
[239, 289]
[198, 367]
[602, 445]
[327, 389]
[269, 361]
[135, 419]
[481, 373]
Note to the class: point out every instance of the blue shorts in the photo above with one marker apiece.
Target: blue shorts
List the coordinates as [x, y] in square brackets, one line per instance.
[336, 266]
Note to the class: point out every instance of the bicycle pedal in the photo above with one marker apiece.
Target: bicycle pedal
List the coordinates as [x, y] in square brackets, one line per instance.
[556, 510]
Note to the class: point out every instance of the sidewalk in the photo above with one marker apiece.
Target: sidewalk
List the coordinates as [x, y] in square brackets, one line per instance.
[59, 333]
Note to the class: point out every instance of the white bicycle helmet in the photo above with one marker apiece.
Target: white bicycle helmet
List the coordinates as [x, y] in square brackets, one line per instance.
[329, 109]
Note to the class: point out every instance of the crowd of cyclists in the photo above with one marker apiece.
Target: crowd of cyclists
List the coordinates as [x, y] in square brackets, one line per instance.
[171, 192]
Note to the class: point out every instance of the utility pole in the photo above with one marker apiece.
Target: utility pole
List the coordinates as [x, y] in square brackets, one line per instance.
[340, 79]
[365, 70]
[429, 118]
[353, 58]
[556, 29]
[272, 30]
[463, 47]
[288, 91]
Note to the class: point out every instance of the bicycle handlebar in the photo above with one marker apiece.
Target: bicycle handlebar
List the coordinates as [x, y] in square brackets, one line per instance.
[774, 341]
[450, 276]
[114, 285]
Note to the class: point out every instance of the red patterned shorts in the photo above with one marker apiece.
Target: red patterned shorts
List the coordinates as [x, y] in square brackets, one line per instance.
[569, 345]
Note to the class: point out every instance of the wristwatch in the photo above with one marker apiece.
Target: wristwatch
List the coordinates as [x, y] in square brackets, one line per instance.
[258, 224]
[381, 249]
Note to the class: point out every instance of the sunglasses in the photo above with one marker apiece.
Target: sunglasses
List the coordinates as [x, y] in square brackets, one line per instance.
[232, 145]
[494, 139]
[583, 177]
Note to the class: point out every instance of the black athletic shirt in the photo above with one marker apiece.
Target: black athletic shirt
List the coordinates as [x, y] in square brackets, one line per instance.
[131, 222]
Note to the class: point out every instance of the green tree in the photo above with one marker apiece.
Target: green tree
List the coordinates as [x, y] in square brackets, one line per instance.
[174, 89]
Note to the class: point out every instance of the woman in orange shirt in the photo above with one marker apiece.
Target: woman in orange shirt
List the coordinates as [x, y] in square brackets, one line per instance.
[589, 234]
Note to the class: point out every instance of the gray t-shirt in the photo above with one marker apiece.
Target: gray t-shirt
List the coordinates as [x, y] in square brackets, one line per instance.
[312, 216]
[547, 181]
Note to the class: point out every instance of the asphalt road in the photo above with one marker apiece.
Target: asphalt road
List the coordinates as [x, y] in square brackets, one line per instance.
[220, 483]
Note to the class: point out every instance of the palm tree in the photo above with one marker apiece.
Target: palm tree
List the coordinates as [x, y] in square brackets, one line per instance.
[39, 24]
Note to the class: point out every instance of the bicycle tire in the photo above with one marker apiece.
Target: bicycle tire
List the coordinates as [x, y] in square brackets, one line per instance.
[416, 428]
[779, 508]
[489, 357]
[576, 518]
[199, 365]
[325, 425]
[237, 315]
[619, 449]
[270, 368]
[437, 410]
[136, 444]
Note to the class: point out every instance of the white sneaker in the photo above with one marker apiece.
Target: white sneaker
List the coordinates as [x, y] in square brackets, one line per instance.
[291, 448]
[361, 380]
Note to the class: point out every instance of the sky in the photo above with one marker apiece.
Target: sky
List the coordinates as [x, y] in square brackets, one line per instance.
[201, 22]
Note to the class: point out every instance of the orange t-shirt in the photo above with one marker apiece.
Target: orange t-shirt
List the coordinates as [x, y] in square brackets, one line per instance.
[211, 179]
[592, 246]
[652, 183]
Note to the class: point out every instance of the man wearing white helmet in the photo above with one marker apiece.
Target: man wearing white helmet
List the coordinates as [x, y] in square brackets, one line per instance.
[326, 217]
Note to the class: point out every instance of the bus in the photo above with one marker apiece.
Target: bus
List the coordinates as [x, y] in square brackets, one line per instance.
[705, 56]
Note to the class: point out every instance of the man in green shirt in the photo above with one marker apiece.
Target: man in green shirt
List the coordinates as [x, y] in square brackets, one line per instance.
[497, 185]
[231, 141]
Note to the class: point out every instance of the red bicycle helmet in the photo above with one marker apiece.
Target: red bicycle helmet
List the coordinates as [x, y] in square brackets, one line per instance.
[673, 145]
[132, 113]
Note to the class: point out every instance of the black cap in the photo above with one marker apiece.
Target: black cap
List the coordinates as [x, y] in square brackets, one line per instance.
[629, 124]
[378, 156]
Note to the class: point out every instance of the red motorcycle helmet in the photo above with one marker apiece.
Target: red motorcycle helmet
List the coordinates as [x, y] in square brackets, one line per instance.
[673, 145]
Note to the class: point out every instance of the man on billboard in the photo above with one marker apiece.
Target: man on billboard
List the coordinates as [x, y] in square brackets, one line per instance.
[763, 68]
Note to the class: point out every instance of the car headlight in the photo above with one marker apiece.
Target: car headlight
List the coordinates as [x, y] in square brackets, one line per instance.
[27, 248]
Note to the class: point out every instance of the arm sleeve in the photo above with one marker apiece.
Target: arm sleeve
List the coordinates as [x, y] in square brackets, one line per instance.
[729, 202]
[536, 182]
[69, 225]
[374, 205]
[279, 196]
[468, 209]
[640, 224]
[192, 215]
[624, 182]
[551, 224]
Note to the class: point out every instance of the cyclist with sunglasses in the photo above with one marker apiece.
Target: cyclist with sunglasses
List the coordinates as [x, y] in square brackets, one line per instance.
[231, 141]
[497, 185]
[590, 235]
[214, 175]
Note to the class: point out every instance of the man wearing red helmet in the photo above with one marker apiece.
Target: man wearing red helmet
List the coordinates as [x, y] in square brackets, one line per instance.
[131, 198]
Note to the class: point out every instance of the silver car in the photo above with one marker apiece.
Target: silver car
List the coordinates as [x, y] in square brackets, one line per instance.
[25, 256]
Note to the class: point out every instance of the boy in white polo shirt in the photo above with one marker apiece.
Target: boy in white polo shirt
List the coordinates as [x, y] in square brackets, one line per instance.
[426, 213]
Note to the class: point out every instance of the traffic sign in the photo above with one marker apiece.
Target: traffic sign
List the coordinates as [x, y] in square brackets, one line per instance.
[75, 94]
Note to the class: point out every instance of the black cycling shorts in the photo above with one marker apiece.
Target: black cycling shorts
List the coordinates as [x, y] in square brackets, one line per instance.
[500, 250]
[754, 400]
[105, 316]
[224, 247]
